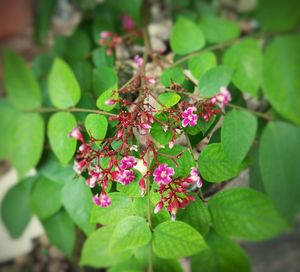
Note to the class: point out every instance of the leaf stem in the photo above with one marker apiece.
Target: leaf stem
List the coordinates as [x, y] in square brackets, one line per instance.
[45, 110]
[257, 113]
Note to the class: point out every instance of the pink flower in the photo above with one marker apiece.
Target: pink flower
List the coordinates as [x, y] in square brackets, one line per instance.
[138, 61]
[189, 118]
[163, 174]
[151, 80]
[103, 200]
[194, 177]
[127, 22]
[222, 98]
[75, 133]
[125, 177]
[171, 144]
[127, 163]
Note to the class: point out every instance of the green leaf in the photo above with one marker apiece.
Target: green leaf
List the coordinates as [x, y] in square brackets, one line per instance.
[215, 166]
[43, 19]
[238, 133]
[21, 86]
[130, 265]
[9, 117]
[100, 58]
[95, 252]
[45, 199]
[64, 89]
[60, 231]
[158, 131]
[77, 200]
[279, 165]
[217, 29]
[277, 15]
[186, 37]
[52, 169]
[176, 235]
[245, 58]
[15, 207]
[104, 78]
[172, 75]
[109, 94]
[83, 73]
[169, 99]
[133, 188]
[281, 71]
[159, 264]
[120, 208]
[221, 255]
[96, 125]
[131, 232]
[41, 64]
[28, 140]
[200, 64]
[246, 214]
[59, 127]
[196, 215]
[78, 45]
[212, 80]
[184, 163]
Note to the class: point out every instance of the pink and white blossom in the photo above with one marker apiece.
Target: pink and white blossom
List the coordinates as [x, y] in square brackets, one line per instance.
[142, 185]
[76, 134]
[222, 98]
[127, 163]
[125, 177]
[163, 174]
[103, 200]
[195, 177]
[79, 166]
[189, 117]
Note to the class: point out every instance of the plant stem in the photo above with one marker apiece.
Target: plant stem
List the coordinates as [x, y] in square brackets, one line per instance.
[145, 17]
[44, 110]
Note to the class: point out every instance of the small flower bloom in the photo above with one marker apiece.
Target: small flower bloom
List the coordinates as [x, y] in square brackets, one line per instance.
[75, 133]
[158, 207]
[138, 61]
[127, 22]
[127, 162]
[171, 144]
[83, 148]
[120, 134]
[103, 200]
[195, 177]
[222, 98]
[79, 166]
[125, 177]
[142, 185]
[189, 118]
[163, 174]
[110, 102]
[105, 34]
[91, 182]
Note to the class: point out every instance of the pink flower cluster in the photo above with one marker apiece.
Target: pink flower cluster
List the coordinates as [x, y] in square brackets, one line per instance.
[123, 175]
[173, 191]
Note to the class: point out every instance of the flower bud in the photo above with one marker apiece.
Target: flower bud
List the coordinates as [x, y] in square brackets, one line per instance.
[110, 102]
[171, 144]
[142, 185]
[75, 133]
[158, 207]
